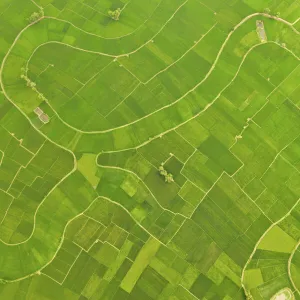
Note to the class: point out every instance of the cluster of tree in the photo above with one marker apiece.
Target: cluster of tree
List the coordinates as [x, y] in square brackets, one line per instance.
[31, 83]
[36, 16]
[2, 281]
[115, 14]
[168, 176]
[268, 11]
[280, 43]
[248, 295]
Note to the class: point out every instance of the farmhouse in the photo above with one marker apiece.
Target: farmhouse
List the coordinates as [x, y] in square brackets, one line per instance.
[38, 111]
[260, 28]
[44, 118]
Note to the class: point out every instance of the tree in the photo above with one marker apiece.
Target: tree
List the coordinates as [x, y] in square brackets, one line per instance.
[2, 281]
[277, 15]
[267, 10]
[115, 14]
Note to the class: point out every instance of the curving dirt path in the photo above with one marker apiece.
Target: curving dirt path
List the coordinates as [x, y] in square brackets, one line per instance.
[15, 250]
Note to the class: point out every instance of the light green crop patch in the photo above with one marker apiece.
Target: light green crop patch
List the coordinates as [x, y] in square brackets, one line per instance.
[170, 274]
[229, 268]
[114, 267]
[253, 278]
[143, 259]
[87, 166]
[129, 185]
[139, 213]
[277, 240]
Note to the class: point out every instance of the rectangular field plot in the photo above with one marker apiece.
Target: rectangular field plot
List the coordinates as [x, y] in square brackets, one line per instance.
[62, 263]
[114, 91]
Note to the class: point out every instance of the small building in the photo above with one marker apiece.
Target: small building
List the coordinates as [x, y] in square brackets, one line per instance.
[44, 118]
[260, 29]
[38, 111]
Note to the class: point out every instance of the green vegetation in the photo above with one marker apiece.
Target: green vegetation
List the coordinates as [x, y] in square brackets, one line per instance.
[115, 14]
[270, 241]
[89, 110]
[248, 295]
[141, 262]
[31, 84]
[35, 16]
[168, 176]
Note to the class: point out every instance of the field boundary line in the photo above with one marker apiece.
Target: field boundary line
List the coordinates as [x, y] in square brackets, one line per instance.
[38, 6]
[188, 120]
[93, 34]
[12, 200]
[2, 157]
[138, 223]
[66, 149]
[295, 22]
[242, 189]
[38, 207]
[44, 274]
[136, 87]
[8, 7]
[19, 109]
[72, 265]
[41, 133]
[97, 52]
[279, 155]
[24, 167]
[288, 162]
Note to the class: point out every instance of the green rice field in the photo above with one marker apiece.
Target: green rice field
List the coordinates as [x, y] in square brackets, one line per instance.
[149, 149]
